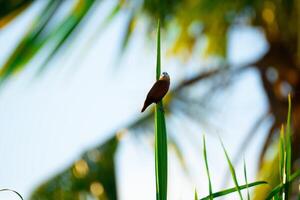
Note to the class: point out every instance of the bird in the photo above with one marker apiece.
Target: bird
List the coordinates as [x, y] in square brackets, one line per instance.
[158, 90]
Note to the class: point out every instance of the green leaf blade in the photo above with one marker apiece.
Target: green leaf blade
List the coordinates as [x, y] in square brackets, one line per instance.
[232, 171]
[288, 150]
[246, 180]
[234, 189]
[158, 63]
[207, 169]
[161, 148]
[281, 186]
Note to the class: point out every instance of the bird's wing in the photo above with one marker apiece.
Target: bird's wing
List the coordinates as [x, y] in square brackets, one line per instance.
[158, 90]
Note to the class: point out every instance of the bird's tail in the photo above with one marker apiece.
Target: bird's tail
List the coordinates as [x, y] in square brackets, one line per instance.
[145, 106]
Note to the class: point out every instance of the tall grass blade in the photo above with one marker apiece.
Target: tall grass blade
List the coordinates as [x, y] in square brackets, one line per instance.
[158, 52]
[161, 154]
[281, 153]
[232, 171]
[246, 180]
[288, 150]
[233, 189]
[281, 186]
[207, 169]
[282, 161]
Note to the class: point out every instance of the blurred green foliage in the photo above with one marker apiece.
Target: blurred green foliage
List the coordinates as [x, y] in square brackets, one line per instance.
[90, 177]
[10, 9]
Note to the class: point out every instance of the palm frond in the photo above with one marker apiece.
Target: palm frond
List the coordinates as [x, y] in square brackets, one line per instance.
[37, 37]
[9, 10]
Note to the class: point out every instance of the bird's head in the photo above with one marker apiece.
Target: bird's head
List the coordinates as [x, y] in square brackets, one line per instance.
[165, 76]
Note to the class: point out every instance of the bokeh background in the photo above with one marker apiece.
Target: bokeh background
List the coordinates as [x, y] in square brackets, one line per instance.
[74, 75]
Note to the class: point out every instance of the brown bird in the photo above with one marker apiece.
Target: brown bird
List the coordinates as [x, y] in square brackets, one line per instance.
[158, 90]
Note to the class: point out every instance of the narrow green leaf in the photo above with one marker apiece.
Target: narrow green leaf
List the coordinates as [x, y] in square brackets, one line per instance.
[31, 42]
[158, 52]
[282, 159]
[206, 167]
[281, 186]
[161, 151]
[62, 33]
[37, 38]
[232, 171]
[276, 197]
[288, 149]
[281, 153]
[246, 180]
[234, 189]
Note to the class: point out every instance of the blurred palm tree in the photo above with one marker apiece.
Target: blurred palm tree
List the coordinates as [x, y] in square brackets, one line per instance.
[195, 20]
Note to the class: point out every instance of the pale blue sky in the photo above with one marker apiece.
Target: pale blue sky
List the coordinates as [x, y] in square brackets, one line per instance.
[47, 122]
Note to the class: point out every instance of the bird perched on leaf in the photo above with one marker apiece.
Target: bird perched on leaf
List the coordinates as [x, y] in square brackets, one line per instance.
[158, 90]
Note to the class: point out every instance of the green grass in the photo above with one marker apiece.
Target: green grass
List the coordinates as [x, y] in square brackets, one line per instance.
[161, 151]
[224, 192]
[237, 187]
[282, 190]
[278, 190]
